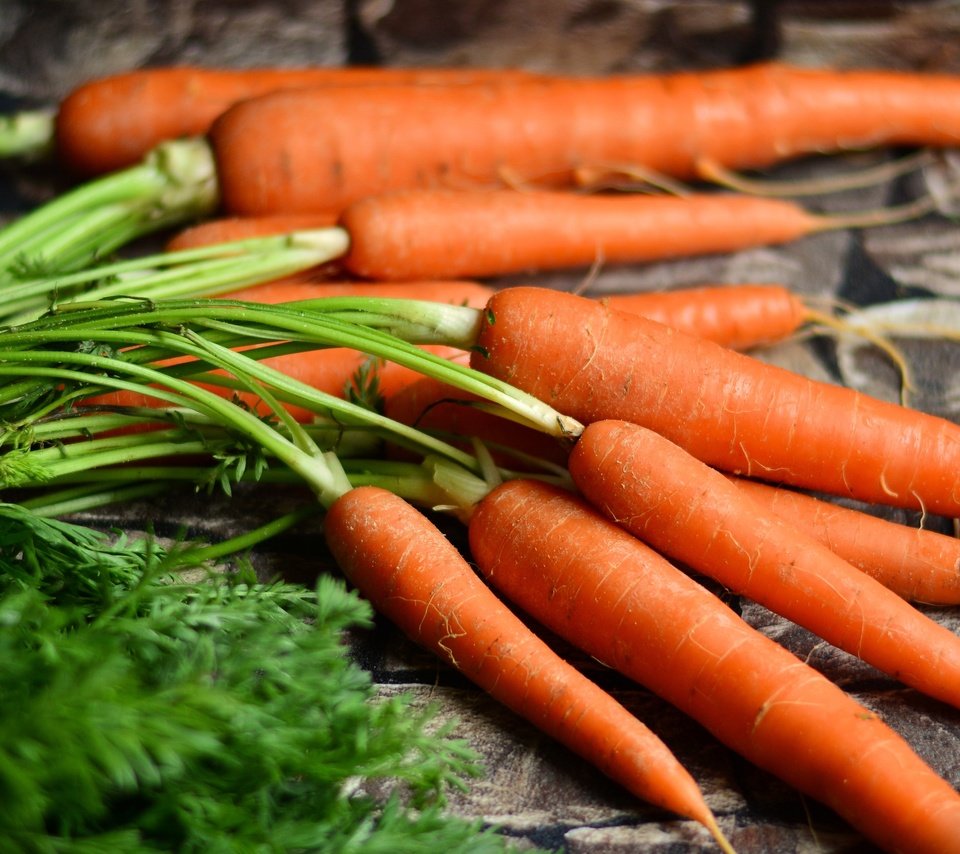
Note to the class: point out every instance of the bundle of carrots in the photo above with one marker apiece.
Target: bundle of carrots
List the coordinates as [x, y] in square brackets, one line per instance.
[676, 427]
[275, 144]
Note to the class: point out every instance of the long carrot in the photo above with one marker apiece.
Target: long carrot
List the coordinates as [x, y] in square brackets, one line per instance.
[442, 234]
[738, 316]
[324, 148]
[606, 592]
[111, 122]
[726, 408]
[919, 564]
[318, 150]
[693, 514]
[414, 576]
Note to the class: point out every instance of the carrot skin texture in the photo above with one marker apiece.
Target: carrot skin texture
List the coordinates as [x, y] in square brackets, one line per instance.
[630, 608]
[426, 234]
[112, 122]
[693, 514]
[727, 409]
[285, 151]
[415, 577]
[736, 316]
[733, 315]
[920, 565]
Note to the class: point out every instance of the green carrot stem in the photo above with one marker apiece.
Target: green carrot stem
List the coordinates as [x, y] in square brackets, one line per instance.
[175, 182]
[247, 540]
[27, 134]
[190, 273]
[321, 472]
[89, 496]
[239, 318]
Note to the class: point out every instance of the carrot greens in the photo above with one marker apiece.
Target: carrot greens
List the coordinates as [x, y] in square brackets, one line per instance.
[175, 182]
[189, 272]
[145, 712]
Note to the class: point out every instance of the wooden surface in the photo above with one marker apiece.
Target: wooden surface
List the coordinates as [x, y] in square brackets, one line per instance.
[535, 790]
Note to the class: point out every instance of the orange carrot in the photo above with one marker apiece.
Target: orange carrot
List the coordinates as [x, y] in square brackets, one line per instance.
[227, 229]
[292, 290]
[729, 410]
[331, 370]
[737, 316]
[918, 564]
[414, 576]
[440, 234]
[321, 149]
[733, 315]
[605, 591]
[433, 405]
[112, 122]
[391, 377]
[693, 514]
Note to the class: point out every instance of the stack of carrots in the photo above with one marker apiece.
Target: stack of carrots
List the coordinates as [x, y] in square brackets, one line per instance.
[678, 426]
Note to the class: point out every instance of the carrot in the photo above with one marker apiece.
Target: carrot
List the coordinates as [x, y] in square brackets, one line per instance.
[692, 513]
[293, 290]
[605, 591]
[729, 410]
[333, 369]
[738, 316]
[733, 315]
[440, 233]
[918, 564]
[318, 150]
[414, 576]
[228, 229]
[330, 371]
[321, 149]
[392, 378]
[431, 404]
[111, 122]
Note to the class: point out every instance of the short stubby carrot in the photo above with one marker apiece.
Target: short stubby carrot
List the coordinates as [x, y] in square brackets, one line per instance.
[608, 593]
[416, 234]
[919, 564]
[693, 514]
[111, 122]
[419, 580]
[732, 411]
[323, 148]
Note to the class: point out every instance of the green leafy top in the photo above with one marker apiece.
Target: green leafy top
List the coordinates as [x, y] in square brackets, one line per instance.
[140, 712]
